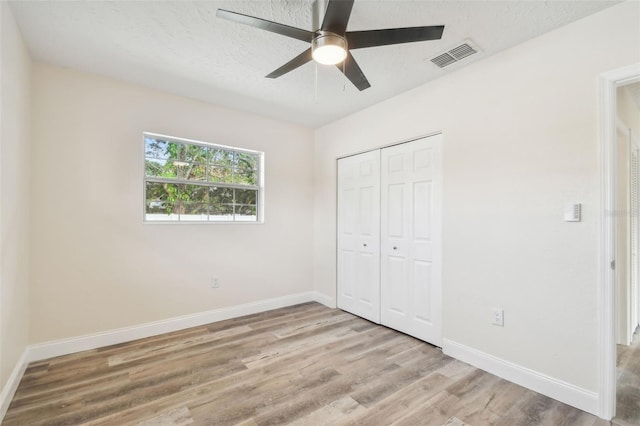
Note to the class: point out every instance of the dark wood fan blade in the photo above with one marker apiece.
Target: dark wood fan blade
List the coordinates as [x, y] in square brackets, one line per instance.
[337, 16]
[353, 72]
[299, 60]
[361, 39]
[263, 24]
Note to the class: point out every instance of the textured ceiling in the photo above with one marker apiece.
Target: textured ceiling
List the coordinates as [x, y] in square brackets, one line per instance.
[183, 48]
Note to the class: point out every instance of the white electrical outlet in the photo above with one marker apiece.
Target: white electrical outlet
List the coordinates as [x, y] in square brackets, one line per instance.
[498, 317]
[215, 283]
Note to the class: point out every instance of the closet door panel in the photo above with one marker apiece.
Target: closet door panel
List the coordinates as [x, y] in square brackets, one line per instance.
[359, 235]
[410, 238]
[396, 301]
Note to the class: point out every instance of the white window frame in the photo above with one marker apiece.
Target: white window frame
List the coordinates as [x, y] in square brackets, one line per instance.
[259, 187]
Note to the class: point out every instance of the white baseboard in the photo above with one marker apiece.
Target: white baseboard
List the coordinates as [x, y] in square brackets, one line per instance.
[97, 340]
[10, 387]
[327, 301]
[557, 389]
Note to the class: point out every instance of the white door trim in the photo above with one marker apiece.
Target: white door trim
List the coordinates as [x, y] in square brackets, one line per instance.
[390, 144]
[608, 83]
[633, 236]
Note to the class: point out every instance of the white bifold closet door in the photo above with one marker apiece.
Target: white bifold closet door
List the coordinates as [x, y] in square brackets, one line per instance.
[359, 235]
[389, 237]
[411, 290]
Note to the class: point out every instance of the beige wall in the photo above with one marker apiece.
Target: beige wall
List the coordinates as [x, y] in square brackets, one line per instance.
[520, 141]
[96, 266]
[14, 194]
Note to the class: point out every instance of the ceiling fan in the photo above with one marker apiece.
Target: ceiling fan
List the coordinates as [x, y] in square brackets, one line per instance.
[331, 44]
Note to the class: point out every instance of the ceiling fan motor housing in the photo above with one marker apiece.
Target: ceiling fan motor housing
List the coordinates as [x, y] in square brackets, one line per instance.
[328, 48]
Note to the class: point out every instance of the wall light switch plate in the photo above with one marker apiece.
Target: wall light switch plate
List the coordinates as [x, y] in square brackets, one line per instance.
[498, 317]
[573, 212]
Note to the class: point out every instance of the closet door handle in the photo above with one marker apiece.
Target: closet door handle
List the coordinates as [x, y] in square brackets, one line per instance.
[395, 248]
[365, 244]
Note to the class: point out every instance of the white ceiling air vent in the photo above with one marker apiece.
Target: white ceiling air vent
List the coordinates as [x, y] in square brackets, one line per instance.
[454, 55]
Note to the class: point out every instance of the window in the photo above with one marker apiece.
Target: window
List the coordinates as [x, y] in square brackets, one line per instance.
[191, 181]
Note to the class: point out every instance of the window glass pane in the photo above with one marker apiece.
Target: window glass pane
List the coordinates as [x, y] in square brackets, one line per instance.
[221, 212]
[245, 213]
[220, 195]
[162, 201]
[246, 169]
[193, 202]
[220, 157]
[173, 151]
[191, 171]
[153, 167]
[155, 148]
[161, 168]
[194, 153]
[245, 205]
[246, 196]
[220, 203]
[247, 161]
[245, 177]
[220, 174]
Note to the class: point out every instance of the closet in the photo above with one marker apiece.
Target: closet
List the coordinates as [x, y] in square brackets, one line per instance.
[389, 237]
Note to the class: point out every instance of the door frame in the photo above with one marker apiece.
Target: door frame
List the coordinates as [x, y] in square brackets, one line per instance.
[634, 237]
[625, 327]
[608, 83]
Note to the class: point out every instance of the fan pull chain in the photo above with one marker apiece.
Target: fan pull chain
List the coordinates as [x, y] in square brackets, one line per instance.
[315, 95]
[344, 67]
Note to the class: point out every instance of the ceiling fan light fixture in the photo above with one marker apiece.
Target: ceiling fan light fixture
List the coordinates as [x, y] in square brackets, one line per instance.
[330, 44]
[329, 49]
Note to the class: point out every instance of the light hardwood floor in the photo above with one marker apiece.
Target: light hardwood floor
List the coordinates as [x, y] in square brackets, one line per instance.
[301, 365]
[628, 384]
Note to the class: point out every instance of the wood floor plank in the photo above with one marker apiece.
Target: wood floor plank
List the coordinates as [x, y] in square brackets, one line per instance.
[529, 411]
[177, 417]
[392, 381]
[277, 400]
[61, 394]
[406, 401]
[174, 345]
[485, 405]
[628, 383]
[437, 411]
[336, 412]
[300, 365]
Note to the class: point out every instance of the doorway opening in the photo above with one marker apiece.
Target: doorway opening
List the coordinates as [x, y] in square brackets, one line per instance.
[616, 242]
[627, 267]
